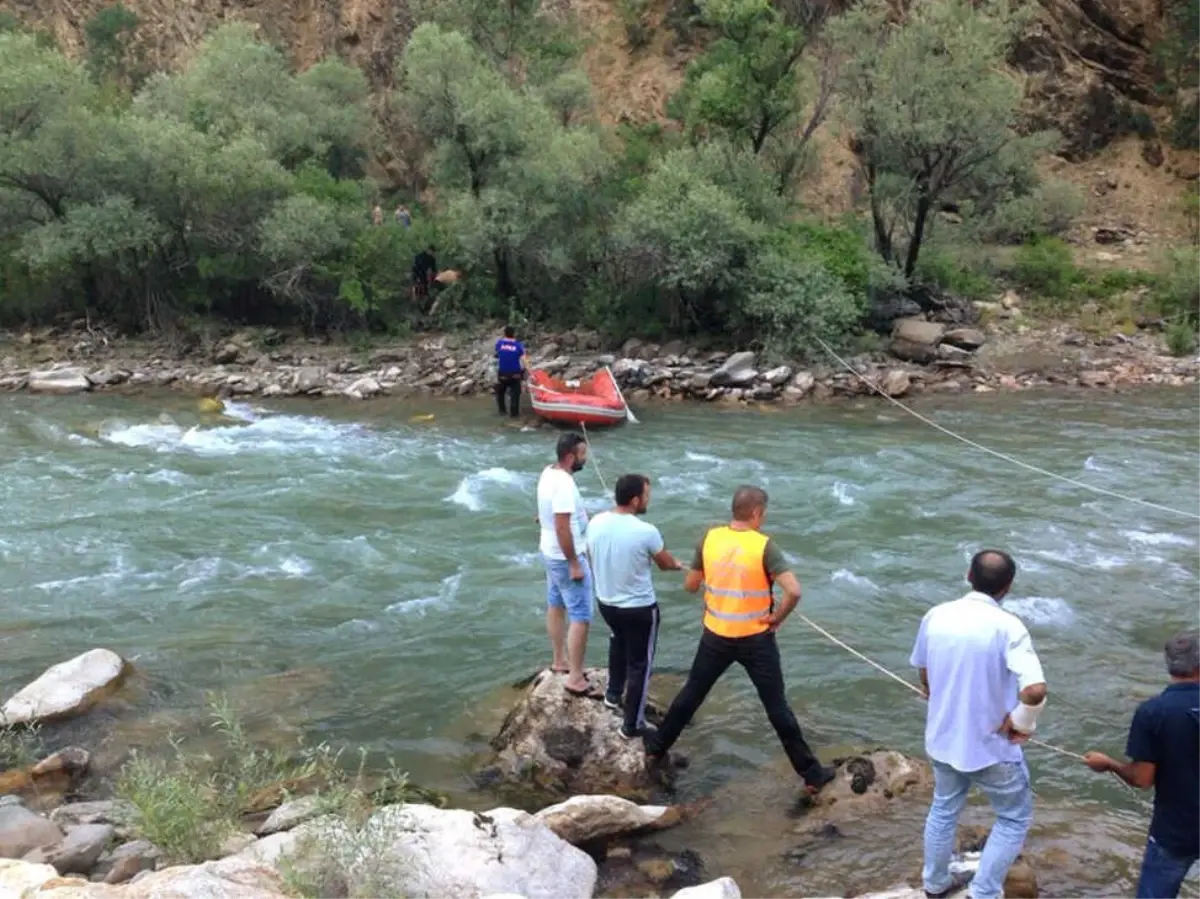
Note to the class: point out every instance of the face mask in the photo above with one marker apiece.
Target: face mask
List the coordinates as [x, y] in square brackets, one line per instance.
[577, 466]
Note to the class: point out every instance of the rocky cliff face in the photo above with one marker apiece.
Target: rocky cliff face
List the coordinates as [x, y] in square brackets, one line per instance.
[1090, 61]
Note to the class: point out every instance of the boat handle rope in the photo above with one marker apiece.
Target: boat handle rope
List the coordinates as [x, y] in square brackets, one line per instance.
[595, 463]
[999, 455]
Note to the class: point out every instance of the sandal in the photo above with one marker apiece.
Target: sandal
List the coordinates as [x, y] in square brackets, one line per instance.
[588, 692]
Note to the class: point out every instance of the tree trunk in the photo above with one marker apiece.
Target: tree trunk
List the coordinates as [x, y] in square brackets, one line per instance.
[924, 203]
[504, 285]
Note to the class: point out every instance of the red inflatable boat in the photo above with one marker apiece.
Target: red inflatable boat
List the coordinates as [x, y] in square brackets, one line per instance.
[595, 401]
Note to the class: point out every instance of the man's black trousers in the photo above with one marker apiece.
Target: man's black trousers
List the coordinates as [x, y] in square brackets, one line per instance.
[759, 655]
[509, 385]
[633, 636]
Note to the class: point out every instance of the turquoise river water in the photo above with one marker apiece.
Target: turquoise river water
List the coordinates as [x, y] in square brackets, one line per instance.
[348, 574]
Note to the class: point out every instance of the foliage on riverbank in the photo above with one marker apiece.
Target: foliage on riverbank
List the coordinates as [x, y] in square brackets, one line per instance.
[191, 803]
[238, 189]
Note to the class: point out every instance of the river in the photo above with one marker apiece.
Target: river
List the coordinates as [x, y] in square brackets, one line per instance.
[352, 575]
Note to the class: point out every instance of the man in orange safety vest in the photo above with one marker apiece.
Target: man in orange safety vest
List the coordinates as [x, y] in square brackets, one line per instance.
[738, 567]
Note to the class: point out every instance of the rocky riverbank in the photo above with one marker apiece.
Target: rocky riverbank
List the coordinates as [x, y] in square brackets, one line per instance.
[920, 356]
[56, 845]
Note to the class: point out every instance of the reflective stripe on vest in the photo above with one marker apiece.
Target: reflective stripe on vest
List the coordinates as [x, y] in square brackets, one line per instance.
[737, 593]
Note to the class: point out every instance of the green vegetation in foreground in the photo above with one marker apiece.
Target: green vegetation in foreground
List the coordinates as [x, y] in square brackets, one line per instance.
[20, 746]
[237, 189]
[190, 803]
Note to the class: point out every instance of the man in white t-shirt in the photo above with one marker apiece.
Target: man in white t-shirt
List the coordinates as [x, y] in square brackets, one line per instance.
[621, 547]
[985, 689]
[568, 575]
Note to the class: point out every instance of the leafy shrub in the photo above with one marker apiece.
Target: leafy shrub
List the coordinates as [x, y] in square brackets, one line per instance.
[1181, 338]
[1045, 267]
[1048, 211]
[950, 269]
[189, 803]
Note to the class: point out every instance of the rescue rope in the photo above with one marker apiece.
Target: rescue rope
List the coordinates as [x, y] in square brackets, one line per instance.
[592, 457]
[919, 692]
[999, 455]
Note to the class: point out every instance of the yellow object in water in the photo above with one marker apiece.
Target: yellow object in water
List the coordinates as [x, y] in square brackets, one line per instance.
[211, 404]
[428, 416]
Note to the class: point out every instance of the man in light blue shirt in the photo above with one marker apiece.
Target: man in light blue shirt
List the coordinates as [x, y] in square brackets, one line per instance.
[985, 688]
[621, 548]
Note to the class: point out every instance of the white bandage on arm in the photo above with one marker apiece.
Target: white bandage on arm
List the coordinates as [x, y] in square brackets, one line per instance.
[1024, 717]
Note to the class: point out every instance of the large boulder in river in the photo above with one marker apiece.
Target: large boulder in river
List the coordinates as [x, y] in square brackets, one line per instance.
[556, 744]
[418, 850]
[864, 786]
[67, 688]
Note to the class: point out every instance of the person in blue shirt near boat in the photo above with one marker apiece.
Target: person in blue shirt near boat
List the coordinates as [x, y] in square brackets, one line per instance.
[510, 370]
[1164, 753]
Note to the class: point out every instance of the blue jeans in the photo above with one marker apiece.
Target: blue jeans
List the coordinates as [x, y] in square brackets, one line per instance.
[1007, 788]
[1162, 872]
[561, 591]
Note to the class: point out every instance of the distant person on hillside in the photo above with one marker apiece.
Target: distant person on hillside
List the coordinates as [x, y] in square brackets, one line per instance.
[738, 566]
[403, 216]
[563, 522]
[622, 547]
[1164, 752]
[510, 370]
[424, 270]
[377, 214]
[985, 690]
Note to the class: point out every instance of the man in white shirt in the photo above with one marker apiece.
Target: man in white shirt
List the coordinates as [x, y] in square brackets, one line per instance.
[568, 576]
[621, 547]
[985, 688]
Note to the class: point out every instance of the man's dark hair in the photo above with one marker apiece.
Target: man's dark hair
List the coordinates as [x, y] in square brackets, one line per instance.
[1182, 653]
[510, 332]
[747, 500]
[629, 487]
[567, 443]
[992, 571]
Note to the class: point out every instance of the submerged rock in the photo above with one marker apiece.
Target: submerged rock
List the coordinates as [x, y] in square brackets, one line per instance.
[67, 688]
[50, 778]
[556, 743]
[864, 786]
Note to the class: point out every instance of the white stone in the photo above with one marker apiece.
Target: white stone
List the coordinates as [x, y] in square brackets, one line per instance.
[59, 380]
[969, 863]
[65, 688]
[779, 376]
[583, 818]
[419, 850]
[363, 388]
[291, 814]
[19, 879]
[722, 888]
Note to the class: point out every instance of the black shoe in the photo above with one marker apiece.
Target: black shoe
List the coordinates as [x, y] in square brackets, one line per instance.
[645, 733]
[612, 702]
[819, 778]
[957, 882]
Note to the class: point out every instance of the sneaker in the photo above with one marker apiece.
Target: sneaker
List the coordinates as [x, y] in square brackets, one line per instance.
[818, 779]
[612, 702]
[957, 882]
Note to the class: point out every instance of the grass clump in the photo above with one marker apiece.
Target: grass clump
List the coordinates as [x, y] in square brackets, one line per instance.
[20, 746]
[189, 803]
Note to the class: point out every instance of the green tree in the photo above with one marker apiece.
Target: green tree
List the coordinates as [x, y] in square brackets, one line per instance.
[933, 113]
[747, 85]
[109, 36]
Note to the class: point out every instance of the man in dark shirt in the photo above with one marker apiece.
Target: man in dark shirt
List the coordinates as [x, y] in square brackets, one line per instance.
[1164, 752]
[423, 270]
[510, 369]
